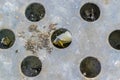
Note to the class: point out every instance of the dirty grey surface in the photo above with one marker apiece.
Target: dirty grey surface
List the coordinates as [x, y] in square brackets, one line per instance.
[88, 39]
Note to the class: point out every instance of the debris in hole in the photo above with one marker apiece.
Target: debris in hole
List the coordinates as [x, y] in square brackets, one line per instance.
[90, 12]
[6, 41]
[61, 38]
[7, 38]
[39, 39]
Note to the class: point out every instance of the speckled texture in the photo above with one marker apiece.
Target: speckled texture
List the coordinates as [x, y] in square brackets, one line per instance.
[88, 39]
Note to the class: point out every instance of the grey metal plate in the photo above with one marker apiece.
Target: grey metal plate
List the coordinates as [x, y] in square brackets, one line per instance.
[88, 39]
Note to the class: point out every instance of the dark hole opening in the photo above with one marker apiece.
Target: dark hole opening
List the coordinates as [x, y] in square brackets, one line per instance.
[35, 12]
[31, 66]
[7, 38]
[90, 12]
[114, 39]
[90, 67]
[61, 38]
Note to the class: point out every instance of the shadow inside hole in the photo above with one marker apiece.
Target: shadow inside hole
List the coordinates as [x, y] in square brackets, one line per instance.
[90, 12]
[114, 39]
[61, 38]
[7, 38]
[35, 12]
[31, 66]
[90, 67]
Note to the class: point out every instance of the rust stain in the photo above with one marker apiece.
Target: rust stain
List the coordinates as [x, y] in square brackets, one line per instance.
[1, 16]
[106, 1]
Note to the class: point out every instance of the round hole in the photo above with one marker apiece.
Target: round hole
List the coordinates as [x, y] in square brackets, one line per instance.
[35, 12]
[114, 39]
[31, 66]
[90, 67]
[61, 38]
[7, 38]
[90, 12]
